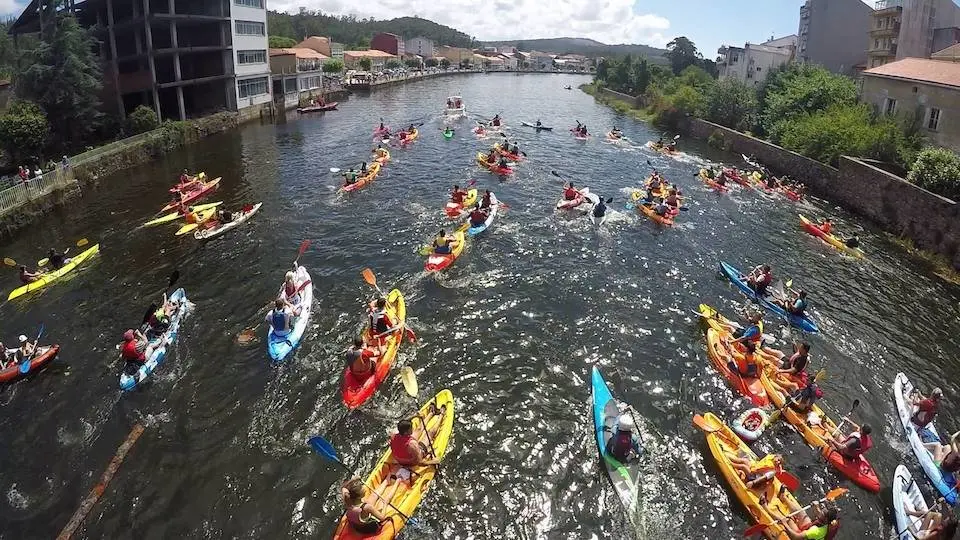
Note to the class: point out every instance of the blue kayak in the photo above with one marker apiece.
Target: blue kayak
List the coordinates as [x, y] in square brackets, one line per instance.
[494, 203]
[279, 346]
[624, 477]
[157, 350]
[736, 277]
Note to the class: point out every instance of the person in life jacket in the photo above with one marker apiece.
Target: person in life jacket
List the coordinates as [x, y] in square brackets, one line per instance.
[457, 194]
[796, 305]
[478, 216]
[488, 200]
[759, 279]
[280, 317]
[406, 444]
[360, 360]
[925, 408]
[622, 443]
[570, 193]
[853, 242]
[133, 350]
[492, 156]
[792, 374]
[443, 244]
[515, 150]
[349, 176]
[946, 456]
[496, 121]
[362, 509]
[363, 168]
[751, 335]
[857, 443]
[661, 208]
[759, 472]
[804, 399]
[27, 277]
[823, 526]
[380, 322]
[659, 143]
[291, 290]
[826, 226]
[936, 524]
[656, 181]
[380, 151]
[673, 199]
[721, 178]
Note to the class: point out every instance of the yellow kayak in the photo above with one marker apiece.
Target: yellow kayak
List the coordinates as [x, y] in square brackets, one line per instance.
[50, 277]
[411, 490]
[177, 215]
[202, 217]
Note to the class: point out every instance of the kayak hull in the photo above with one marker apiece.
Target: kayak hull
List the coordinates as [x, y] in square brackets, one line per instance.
[835, 242]
[408, 496]
[625, 478]
[50, 277]
[40, 361]
[280, 346]
[711, 182]
[944, 482]
[362, 181]
[721, 354]
[536, 127]
[455, 210]
[803, 323]
[193, 195]
[206, 234]
[509, 155]
[494, 205]
[494, 168]
[436, 262]
[649, 211]
[159, 344]
[356, 392]
[332, 106]
[906, 492]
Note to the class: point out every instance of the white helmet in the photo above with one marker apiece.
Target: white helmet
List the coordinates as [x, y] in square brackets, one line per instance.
[625, 423]
[23, 339]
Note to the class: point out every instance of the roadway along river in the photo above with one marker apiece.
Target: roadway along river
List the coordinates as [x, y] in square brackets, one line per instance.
[512, 329]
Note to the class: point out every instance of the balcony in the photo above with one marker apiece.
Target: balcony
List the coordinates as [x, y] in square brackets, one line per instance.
[889, 50]
[887, 31]
[887, 7]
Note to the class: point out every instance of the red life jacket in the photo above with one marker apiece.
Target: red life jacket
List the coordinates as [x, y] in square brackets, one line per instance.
[457, 196]
[399, 447]
[290, 290]
[866, 443]
[570, 194]
[129, 352]
[620, 445]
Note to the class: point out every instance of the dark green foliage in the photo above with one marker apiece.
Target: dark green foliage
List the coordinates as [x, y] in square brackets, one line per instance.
[682, 53]
[365, 64]
[731, 103]
[333, 66]
[412, 63]
[141, 120]
[392, 64]
[23, 133]
[281, 42]
[354, 32]
[937, 170]
[431, 62]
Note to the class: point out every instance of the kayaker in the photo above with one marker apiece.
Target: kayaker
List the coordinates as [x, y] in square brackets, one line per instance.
[823, 526]
[503, 163]
[659, 143]
[583, 130]
[488, 200]
[771, 182]
[853, 242]
[570, 193]
[721, 179]
[409, 451]
[515, 150]
[192, 216]
[187, 182]
[826, 226]
[792, 374]
[280, 317]
[946, 456]
[759, 279]
[759, 472]
[360, 360]
[932, 525]
[57, 260]
[349, 177]
[710, 173]
[224, 216]
[478, 216]
[751, 335]
[443, 244]
[492, 156]
[538, 124]
[623, 443]
[361, 509]
[380, 151]
[402, 136]
[411, 130]
[796, 305]
[28, 277]
[804, 400]
[457, 194]
[133, 350]
[496, 121]
[926, 408]
[448, 132]
[672, 199]
[479, 130]
[672, 146]
[363, 168]
[857, 443]
[600, 209]
[381, 325]
[661, 208]
[26, 349]
[291, 290]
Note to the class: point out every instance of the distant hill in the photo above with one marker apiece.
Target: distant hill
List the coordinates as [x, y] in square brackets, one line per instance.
[356, 33]
[586, 47]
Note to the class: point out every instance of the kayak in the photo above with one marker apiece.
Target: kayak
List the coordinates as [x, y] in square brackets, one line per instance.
[944, 482]
[564, 204]
[356, 391]
[737, 177]
[193, 195]
[201, 176]
[44, 356]
[411, 136]
[372, 171]
[792, 195]
[479, 131]
[625, 478]
[436, 262]
[662, 149]
[723, 443]
[382, 160]
[711, 182]
[455, 210]
[906, 492]
[494, 168]
[158, 344]
[50, 277]
[612, 137]
[507, 154]
[580, 137]
[816, 427]
[177, 215]
[279, 346]
[220, 228]
[379, 133]
[203, 216]
[661, 191]
[815, 230]
[536, 127]
[717, 321]
[648, 211]
[492, 209]
[448, 134]
[736, 277]
[721, 354]
[332, 106]
[594, 200]
[409, 493]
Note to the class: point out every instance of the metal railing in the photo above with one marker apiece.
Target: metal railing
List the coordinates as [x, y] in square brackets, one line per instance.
[109, 149]
[24, 192]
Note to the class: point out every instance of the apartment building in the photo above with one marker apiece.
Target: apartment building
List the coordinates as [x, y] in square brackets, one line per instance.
[420, 46]
[182, 58]
[389, 43]
[831, 34]
[751, 63]
[911, 29]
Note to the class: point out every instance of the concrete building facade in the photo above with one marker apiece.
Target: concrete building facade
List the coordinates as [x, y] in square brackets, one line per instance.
[420, 46]
[911, 29]
[751, 63]
[297, 73]
[831, 34]
[389, 43]
[378, 59]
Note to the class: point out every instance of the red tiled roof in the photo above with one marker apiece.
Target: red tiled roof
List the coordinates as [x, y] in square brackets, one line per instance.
[920, 70]
[370, 53]
[299, 52]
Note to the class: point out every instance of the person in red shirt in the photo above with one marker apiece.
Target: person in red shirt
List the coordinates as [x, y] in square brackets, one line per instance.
[759, 279]
[134, 350]
[826, 226]
[478, 216]
[570, 193]
[926, 408]
[457, 194]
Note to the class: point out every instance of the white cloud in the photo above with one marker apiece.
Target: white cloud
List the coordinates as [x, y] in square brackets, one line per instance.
[608, 21]
[11, 7]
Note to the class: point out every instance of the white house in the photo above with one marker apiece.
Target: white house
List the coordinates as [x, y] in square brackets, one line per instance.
[751, 63]
[509, 61]
[541, 61]
[248, 22]
[420, 46]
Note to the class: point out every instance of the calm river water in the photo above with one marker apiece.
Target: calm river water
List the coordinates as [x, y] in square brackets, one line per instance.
[512, 329]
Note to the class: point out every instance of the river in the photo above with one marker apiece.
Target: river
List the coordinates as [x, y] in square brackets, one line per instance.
[512, 329]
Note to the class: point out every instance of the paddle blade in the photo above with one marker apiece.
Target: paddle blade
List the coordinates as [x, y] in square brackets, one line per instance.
[703, 424]
[82, 242]
[835, 493]
[43, 262]
[789, 283]
[789, 480]
[856, 403]
[369, 277]
[303, 247]
[409, 380]
[322, 447]
[24, 367]
[756, 529]
[9, 262]
[335, 170]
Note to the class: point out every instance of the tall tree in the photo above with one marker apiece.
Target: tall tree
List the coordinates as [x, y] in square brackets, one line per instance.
[682, 53]
[63, 77]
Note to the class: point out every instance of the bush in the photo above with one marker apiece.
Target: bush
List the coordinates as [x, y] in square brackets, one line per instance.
[141, 120]
[365, 64]
[937, 170]
[800, 90]
[717, 140]
[444, 63]
[333, 66]
[412, 63]
[281, 42]
[841, 130]
[731, 103]
[23, 132]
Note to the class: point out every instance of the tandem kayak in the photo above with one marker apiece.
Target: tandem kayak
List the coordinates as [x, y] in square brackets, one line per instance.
[382, 160]
[332, 106]
[721, 354]
[372, 171]
[815, 230]
[625, 477]
[494, 167]
[906, 493]
[156, 352]
[280, 345]
[711, 182]
[455, 210]
[44, 356]
[437, 414]
[220, 228]
[944, 482]
[506, 153]
[816, 427]
[736, 277]
[50, 277]
[647, 210]
[409, 137]
[661, 149]
[492, 214]
[356, 391]
[177, 215]
[723, 444]
[437, 262]
[193, 195]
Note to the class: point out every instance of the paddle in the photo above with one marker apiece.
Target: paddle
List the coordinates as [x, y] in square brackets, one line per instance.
[831, 495]
[174, 277]
[25, 365]
[791, 482]
[246, 335]
[371, 280]
[325, 449]
[80, 243]
[853, 407]
[409, 380]
[775, 415]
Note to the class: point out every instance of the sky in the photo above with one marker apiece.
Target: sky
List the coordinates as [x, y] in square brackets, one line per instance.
[708, 23]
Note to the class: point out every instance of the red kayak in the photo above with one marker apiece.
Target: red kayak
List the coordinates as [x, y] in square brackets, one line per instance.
[734, 175]
[193, 195]
[357, 391]
[46, 355]
[509, 155]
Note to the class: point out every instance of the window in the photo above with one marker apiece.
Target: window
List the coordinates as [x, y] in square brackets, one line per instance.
[758, 70]
[252, 57]
[252, 87]
[250, 28]
[310, 83]
[890, 107]
[289, 86]
[249, 3]
[876, 42]
[933, 121]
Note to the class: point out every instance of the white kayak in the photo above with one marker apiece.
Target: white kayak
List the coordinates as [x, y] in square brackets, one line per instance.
[944, 482]
[279, 346]
[158, 344]
[219, 229]
[906, 494]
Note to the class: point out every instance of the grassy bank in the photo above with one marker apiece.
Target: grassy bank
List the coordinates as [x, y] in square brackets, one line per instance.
[936, 263]
[644, 115]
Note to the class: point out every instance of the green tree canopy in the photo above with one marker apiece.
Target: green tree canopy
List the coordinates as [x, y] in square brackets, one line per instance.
[681, 52]
[801, 88]
[841, 129]
[431, 62]
[937, 170]
[365, 64]
[23, 133]
[333, 66]
[356, 32]
[733, 104]
[281, 42]
[141, 120]
[392, 64]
